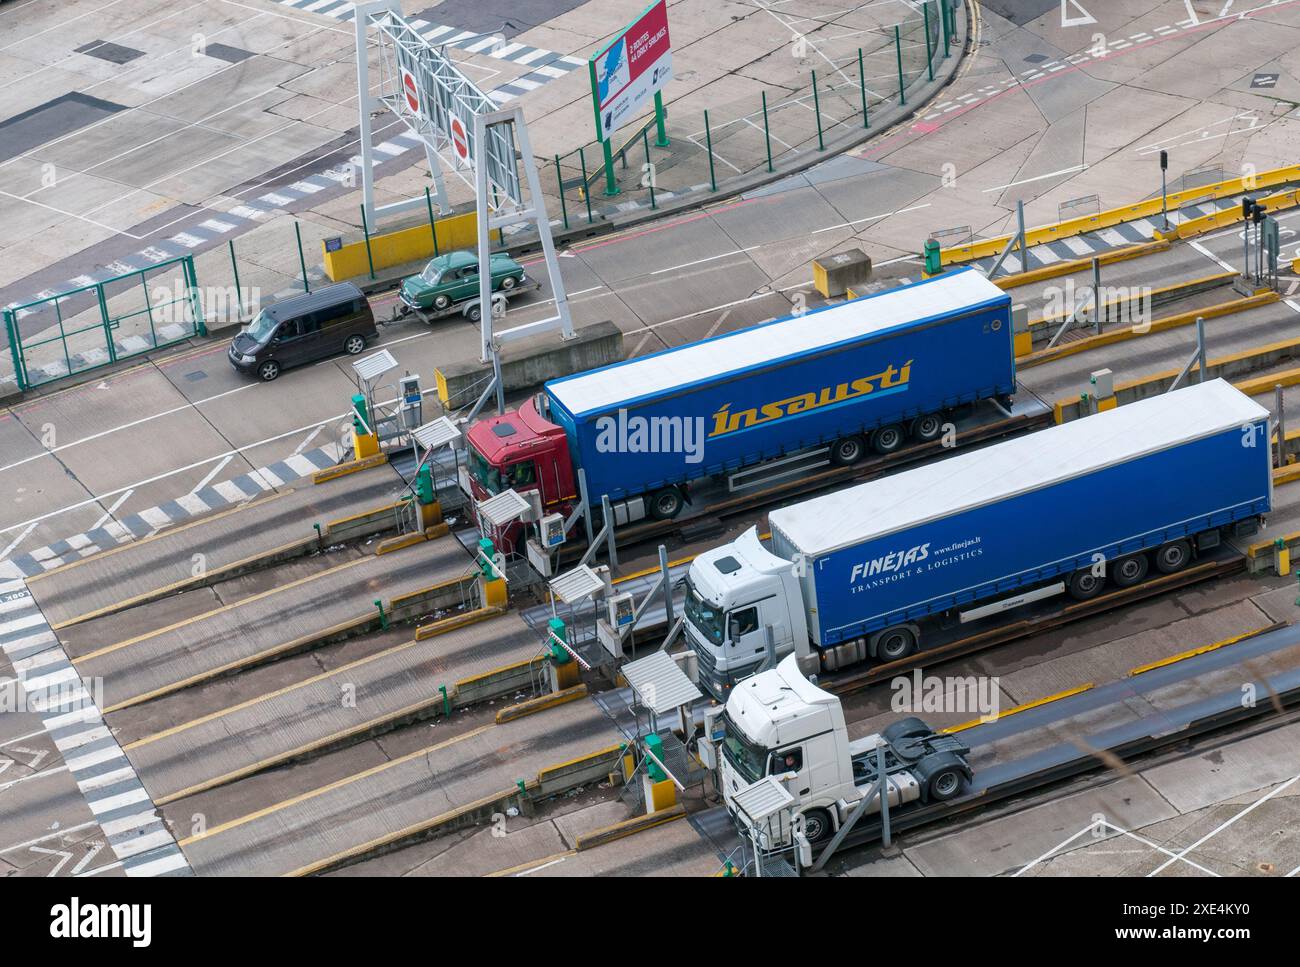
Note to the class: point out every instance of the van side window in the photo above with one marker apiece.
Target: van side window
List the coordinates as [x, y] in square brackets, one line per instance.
[309, 323]
[288, 329]
[332, 314]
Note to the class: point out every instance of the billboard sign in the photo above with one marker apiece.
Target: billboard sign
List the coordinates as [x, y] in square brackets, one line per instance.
[631, 70]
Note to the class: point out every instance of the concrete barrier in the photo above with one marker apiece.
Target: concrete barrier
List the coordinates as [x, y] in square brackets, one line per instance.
[456, 593]
[1042, 330]
[351, 466]
[506, 680]
[576, 772]
[531, 362]
[1157, 325]
[835, 275]
[541, 703]
[388, 249]
[1230, 367]
[1069, 267]
[365, 524]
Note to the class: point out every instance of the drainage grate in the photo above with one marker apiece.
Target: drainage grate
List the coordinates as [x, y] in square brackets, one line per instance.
[1035, 58]
[51, 120]
[113, 53]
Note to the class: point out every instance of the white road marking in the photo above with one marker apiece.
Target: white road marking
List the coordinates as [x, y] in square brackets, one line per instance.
[208, 479]
[1050, 174]
[108, 513]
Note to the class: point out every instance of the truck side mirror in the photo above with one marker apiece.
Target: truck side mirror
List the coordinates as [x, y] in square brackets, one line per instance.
[733, 630]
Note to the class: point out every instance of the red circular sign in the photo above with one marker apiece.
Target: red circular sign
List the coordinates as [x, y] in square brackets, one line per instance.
[411, 91]
[458, 139]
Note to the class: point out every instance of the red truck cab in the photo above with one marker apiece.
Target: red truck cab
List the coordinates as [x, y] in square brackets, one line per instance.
[525, 451]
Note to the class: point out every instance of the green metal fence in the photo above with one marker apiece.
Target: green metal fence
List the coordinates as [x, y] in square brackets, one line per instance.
[95, 325]
[841, 93]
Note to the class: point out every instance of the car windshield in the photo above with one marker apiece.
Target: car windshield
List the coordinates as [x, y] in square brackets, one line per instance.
[261, 327]
[431, 274]
[482, 471]
[705, 617]
[747, 758]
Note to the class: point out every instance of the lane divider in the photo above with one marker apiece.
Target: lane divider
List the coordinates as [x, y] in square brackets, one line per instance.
[1204, 649]
[1019, 708]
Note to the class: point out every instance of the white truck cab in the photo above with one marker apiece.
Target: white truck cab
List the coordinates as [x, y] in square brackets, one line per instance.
[734, 595]
[777, 723]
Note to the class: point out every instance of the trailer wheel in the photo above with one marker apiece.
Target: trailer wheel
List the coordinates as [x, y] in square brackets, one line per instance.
[848, 451]
[1083, 584]
[895, 643]
[1128, 571]
[474, 313]
[442, 301]
[1173, 557]
[817, 825]
[928, 427]
[666, 504]
[888, 438]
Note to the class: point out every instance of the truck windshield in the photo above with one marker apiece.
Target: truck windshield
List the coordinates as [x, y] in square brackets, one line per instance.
[707, 619]
[484, 472]
[747, 758]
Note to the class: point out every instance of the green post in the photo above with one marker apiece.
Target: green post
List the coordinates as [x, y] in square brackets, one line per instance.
[192, 280]
[11, 327]
[234, 268]
[945, 11]
[611, 183]
[708, 141]
[383, 618]
[933, 259]
[586, 188]
[302, 262]
[817, 111]
[767, 137]
[366, 229]
[433, 224]
[660, 115]
[559, 184]
[862, 86]
[148, 307]
[898, 49]
[320, 535]
[558, 654]
[650, 168]
[108, 326]
[446, 702]
[929, 51]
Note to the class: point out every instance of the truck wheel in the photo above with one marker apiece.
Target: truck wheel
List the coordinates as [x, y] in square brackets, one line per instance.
[928, 427]
[1128, 571]
[666, 504]
[1083, 584]
[442, 301]
[817, 825]
[1173, 557]
[940, 777]
[848, 451]
[888, 438]
[894, 644]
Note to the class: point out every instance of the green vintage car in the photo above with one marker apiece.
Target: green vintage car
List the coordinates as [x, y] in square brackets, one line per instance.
[453, 278]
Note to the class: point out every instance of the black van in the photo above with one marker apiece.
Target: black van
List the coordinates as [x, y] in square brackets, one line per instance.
[335, 319]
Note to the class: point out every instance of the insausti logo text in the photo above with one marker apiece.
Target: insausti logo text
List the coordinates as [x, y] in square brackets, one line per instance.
[891, 380]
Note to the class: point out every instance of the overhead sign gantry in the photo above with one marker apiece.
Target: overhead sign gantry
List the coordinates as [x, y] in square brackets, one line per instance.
[441, 106]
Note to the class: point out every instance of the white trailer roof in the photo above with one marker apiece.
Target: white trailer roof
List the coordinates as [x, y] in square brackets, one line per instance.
[602, 389]
[945, 487]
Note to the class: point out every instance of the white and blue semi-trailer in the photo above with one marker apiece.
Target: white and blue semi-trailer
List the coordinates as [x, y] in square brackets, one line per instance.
[861, 573]
[864, 374]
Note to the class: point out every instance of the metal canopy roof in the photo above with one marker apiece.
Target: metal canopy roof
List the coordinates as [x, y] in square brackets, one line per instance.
[765, 798]
[572, 586]
[505, 507]
[659, 684]
[436, 433]
[374, 366]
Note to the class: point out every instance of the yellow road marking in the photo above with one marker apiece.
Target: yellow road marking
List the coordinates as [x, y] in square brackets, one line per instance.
[1193, 652]
[1020, 708]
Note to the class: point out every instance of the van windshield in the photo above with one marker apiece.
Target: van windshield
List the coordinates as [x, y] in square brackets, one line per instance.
[262, 327]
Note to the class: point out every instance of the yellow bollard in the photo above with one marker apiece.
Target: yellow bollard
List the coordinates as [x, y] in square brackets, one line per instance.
[659, 795]
[494, 593]
[1283, 558]
[364, 445]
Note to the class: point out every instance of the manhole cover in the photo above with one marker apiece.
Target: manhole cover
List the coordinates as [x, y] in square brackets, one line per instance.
[1035, 58]
[195, 376]
[1265, 80]
[113, 53]
[231, 55]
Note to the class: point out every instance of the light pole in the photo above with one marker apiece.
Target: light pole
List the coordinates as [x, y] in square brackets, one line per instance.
[1164, 195]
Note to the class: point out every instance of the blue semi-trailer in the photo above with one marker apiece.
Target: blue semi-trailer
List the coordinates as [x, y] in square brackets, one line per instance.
[861, 374]
[859, 574]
